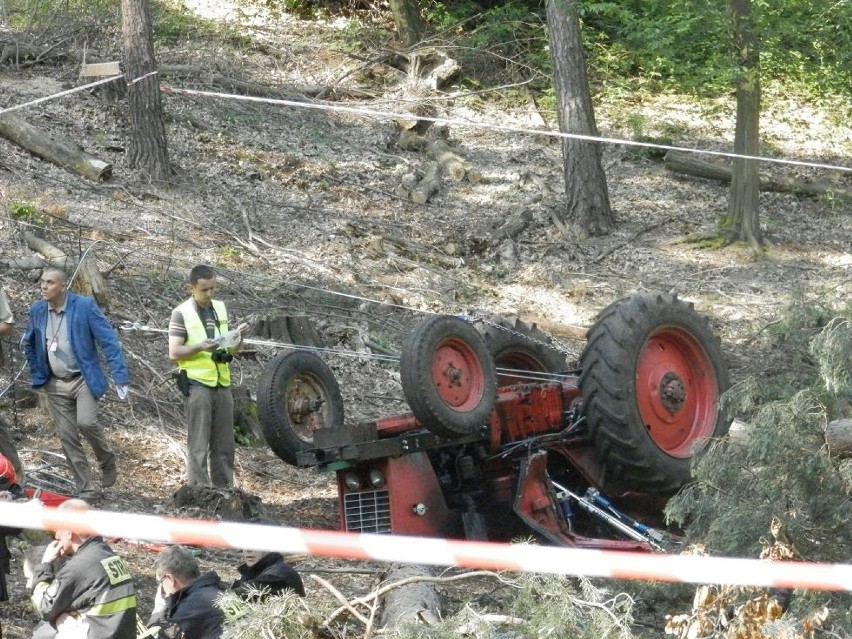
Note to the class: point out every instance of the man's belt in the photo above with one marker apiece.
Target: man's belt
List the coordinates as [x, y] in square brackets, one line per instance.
[70, 378]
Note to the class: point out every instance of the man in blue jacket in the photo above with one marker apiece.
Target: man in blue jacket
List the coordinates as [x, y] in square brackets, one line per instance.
[61, 345]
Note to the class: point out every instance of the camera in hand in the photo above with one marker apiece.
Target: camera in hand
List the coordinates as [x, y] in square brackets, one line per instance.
[221, 356]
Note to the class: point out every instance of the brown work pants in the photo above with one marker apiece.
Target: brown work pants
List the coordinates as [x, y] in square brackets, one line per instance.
[75, 413]
[210, 429]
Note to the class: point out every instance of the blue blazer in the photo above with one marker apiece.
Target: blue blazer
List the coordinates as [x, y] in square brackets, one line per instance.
[88, 329]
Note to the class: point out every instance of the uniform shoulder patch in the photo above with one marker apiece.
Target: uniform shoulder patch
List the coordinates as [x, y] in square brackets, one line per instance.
[116, 570]
[233, 610]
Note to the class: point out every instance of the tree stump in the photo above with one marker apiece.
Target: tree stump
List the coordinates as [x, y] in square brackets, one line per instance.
[245, 413]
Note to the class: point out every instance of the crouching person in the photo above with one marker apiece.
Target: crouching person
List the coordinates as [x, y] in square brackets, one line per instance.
[264, 574]
[185, 605]
[91, 589]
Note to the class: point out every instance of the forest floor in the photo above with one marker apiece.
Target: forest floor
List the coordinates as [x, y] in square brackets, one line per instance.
[299, 209]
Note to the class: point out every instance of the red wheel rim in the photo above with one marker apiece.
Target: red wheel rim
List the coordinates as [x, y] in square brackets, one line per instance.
[458, 375]
[677, 392]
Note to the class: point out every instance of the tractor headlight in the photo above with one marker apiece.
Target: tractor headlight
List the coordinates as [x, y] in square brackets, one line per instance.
[352, 481]
[377, 478]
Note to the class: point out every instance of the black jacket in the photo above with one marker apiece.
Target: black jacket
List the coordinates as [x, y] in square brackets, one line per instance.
[194, 611]
[272, 574]
[93, 582]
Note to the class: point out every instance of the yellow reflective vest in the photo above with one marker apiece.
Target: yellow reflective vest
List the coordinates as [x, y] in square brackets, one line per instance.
[201, 367]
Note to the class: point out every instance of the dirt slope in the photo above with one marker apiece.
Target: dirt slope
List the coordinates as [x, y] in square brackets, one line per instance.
[293, 205]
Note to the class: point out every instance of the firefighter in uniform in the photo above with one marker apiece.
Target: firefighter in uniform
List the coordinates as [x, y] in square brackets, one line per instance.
[196, 330]
[93, 589]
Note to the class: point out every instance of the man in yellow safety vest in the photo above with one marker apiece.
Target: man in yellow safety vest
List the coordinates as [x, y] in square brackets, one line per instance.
[202, 345]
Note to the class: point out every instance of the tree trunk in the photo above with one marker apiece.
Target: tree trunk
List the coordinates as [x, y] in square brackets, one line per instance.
[587, 197]
[406, 15]
[63, 152]
[148, 151]
[743, 203]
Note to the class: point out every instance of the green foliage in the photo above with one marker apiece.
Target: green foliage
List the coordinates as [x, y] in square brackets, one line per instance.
[780, 468]
[544, 606]
[832, 348]
[285, 616]
[686, 45]
[45, 16]
[25, 212]
[505, 42]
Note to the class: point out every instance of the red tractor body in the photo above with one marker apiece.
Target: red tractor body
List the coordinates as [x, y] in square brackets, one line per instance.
[499, 444]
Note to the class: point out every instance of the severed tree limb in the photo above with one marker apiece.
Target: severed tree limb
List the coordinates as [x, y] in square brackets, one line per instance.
[838, 436]
[414, 602]
[384, 589]
[30, 263]
[450, 164]
[346, 607]
[688, 164]
[58, 150]
[89, 280]
[428, 185]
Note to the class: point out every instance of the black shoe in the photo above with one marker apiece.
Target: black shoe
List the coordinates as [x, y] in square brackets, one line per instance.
[108, 475]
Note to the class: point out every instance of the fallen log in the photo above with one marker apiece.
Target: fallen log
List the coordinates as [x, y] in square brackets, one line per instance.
[413, 602]
[55, 149]
[32, 263]
[450, 164]
[88, 281]
[428, 185]
[687, 163]
[487, 236]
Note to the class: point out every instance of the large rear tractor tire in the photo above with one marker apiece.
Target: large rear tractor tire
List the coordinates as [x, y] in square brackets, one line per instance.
[518, 347]
[448, 376]
[652, 375]
[297, 395]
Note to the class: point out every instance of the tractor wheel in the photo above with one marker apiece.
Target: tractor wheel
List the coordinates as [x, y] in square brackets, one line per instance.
[518, 346]
[297, 395]
[652, 375]
[448, 376]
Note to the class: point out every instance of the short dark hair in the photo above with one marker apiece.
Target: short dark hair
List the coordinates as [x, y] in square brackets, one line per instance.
[201, 272]
[179, 562]
[63, 276]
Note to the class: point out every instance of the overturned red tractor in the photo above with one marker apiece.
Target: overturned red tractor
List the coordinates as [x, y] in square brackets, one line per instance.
[501, 439]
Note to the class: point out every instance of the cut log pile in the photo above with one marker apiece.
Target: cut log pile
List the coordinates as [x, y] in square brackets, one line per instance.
[443, 163]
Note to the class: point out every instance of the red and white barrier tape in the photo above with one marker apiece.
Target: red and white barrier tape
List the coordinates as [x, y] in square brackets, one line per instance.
[438, 552]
